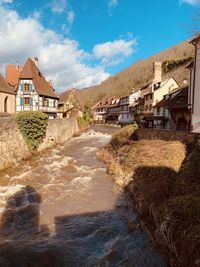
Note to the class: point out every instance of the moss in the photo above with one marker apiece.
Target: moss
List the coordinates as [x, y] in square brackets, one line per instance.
[172, 64]
[32, 125]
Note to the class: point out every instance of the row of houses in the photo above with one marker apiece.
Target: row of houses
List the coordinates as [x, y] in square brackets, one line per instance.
[25, 88]
[159, 104]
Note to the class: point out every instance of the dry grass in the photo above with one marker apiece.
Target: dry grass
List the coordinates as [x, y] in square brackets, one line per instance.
[123, 136]
[164, 182]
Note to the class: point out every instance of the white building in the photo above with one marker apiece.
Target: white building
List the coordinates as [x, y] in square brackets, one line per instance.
[126, 102]
[35, 92]
[194, 88]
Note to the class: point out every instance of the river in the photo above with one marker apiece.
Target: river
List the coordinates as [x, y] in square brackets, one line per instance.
[60, 208]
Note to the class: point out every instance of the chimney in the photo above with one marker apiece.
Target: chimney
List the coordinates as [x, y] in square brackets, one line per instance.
[36, 61]
[157, 72]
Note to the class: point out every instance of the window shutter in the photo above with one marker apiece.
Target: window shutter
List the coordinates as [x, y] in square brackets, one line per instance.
[21, 101]
[42, 107]
[22, 87]
[31, 101]
[30, 87]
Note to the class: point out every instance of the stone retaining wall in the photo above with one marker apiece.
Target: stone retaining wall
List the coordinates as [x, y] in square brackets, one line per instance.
[13, 148]
[152, 134]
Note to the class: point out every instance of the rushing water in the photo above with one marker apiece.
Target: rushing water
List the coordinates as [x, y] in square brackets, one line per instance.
[61, 209]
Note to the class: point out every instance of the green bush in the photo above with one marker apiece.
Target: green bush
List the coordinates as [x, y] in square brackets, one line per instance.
[32, 125]
[82, 123]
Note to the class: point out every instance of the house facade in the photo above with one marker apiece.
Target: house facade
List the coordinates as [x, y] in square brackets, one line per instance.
[153, 93]
[7, 97]
[163, 118]
[34, 92]
[69, 105]
[102, 111]
[124, 115]
[194, 88]
[178, 109]
[127, 107]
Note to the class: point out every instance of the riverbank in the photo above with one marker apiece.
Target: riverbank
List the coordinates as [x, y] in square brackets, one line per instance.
[162, 179]
[61, 209]
[13, 148]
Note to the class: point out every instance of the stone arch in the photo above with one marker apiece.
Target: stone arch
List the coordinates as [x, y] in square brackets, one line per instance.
[182, 124]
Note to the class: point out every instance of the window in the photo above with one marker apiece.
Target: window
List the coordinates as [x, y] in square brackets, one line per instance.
[147, 97]
[54, 103]
[151, 96]
[163, 111]
[150, 107]
[146, 107]
[26, 87]
[157, 86]
[158, 110]
[26, 101]
[45, 102]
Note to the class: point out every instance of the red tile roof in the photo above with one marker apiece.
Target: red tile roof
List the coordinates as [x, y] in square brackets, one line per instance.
[5, 87]
[12, 74]
[42, 86]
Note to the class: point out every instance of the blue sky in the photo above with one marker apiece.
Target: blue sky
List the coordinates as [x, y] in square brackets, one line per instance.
[82, 42]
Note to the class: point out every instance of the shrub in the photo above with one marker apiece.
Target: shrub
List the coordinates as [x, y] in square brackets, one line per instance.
[82, 123]
[32, 125]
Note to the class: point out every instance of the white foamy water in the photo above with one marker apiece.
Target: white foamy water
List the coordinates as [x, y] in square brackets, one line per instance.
[57, 164]
[75, 215]
[6, 192]
[81, 182]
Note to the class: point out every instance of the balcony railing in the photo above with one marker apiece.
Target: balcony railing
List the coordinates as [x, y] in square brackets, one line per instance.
[48, 109]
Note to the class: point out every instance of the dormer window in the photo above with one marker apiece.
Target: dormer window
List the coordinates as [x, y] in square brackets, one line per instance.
[39, 73]
[157, 86]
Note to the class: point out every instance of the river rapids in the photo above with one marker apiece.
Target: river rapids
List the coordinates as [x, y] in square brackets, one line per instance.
[60, 208]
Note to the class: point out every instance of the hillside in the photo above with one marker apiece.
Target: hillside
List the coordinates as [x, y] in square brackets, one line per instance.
[141, 73]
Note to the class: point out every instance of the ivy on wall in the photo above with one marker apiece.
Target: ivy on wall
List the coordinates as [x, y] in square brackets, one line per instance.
[172, 64]
[32, 125]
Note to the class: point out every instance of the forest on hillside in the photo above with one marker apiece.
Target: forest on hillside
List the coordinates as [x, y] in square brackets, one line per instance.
[174, 61]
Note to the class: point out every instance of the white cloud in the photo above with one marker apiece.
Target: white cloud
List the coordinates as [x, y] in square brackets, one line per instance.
[112, 53]
[5, 2]
[63, 6]
[112, 3]
[58, 6]
[61, 60]
[70, 17]
[191, 2]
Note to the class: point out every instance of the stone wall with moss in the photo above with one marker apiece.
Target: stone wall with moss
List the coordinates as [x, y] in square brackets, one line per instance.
[13, 148]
